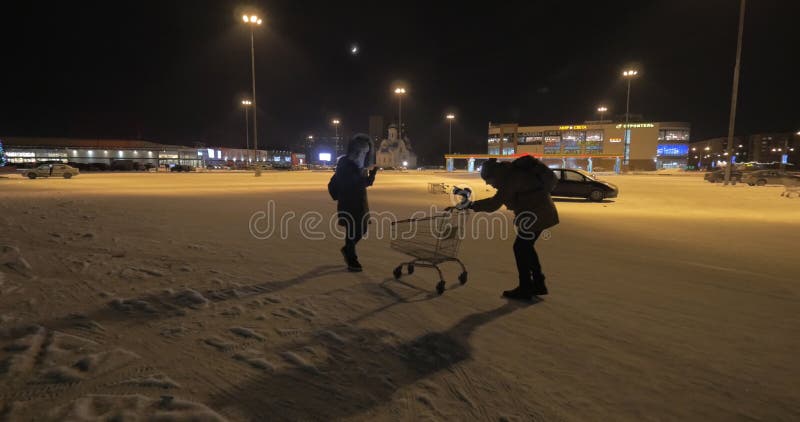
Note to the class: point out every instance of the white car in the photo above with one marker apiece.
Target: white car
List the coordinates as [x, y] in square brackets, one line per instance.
[50, 170]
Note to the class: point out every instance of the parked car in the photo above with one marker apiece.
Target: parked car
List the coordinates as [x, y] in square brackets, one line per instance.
[50, 170]
[181, 167]
[718, 176]
[768, 177]
[98, 167]
[582, 184]
[123, 165]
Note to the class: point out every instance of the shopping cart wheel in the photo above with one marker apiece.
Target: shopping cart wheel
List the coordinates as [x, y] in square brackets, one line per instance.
[463, 277]
[398, 271]
[440, 287]
[410, 269]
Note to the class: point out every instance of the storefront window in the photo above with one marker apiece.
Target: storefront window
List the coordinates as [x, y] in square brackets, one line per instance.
[594, 135]
[571, 141]
[673, 150]
[552, 144]
[494, 150]
[530, 138]
[673, 135]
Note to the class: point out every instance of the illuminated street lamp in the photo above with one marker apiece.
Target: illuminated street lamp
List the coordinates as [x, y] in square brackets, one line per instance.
[450, 118]
[246, 105]
[602, 110]
[400, 91]
[336, 140]
[629, 75]
[253, 21]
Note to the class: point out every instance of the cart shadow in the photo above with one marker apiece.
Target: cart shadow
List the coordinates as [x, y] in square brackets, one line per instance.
[360, 368]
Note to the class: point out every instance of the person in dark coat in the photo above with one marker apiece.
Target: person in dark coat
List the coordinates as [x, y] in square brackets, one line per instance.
[524, 187]
[352, 179]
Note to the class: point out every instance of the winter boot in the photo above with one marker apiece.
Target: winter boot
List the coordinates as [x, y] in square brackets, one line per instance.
[524, 293]
[539, 288]
[352, 262]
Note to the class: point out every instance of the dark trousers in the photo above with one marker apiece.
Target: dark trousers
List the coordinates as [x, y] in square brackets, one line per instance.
[528, 266]
[354, 231]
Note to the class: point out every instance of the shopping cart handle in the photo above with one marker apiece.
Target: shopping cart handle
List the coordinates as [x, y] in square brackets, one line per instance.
[465, 194]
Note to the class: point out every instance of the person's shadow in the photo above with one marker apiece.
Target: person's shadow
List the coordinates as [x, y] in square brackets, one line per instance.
[169, 304]
[362, 368]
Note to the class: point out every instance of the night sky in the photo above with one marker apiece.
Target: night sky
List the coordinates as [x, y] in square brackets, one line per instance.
[175, 71]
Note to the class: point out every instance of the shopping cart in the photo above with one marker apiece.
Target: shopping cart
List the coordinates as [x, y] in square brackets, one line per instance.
[437, 188]
[431, 241]
[791, 185]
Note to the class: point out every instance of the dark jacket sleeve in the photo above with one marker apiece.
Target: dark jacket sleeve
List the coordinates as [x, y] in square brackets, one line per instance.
[371, 177]
[489, 204]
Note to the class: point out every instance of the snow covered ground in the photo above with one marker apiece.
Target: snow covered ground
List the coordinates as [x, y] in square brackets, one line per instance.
[146, 295]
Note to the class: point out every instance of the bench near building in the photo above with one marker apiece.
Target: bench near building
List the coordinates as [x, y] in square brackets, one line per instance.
[593, 146]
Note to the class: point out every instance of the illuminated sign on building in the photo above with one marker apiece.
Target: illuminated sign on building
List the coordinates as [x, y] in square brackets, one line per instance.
[574, 127]
[635, 125]
[672, 150]
[20, 154]
[614, 140]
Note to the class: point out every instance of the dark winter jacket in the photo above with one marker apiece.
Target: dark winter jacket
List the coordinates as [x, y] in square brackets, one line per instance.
[351, 186]
[521, 189]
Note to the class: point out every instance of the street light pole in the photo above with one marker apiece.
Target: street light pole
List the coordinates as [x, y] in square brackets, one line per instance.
[253, 21]
[255, 109]
[246, 105]
[450, 118]
[336, 140]
[400, 92]
[602, 110]
[628, 74]
[734, 94]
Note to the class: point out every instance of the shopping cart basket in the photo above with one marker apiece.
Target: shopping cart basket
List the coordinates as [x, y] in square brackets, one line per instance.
[437, 188]
[430, 241]
[791, 185]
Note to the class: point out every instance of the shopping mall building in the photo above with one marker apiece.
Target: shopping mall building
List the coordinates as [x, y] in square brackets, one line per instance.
[127, 154]
[594, 146]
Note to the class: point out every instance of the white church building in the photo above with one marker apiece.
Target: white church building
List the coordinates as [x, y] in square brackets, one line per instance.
[395, 152]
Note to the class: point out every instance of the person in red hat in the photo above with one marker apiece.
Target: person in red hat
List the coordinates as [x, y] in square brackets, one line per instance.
[524, 187]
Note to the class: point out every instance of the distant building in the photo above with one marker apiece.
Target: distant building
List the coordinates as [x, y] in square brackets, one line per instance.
[122, 154]
[321, 150]
[709, 153]
[769, 147]
[376, 128]
[761, 147]
[395, 152]
[598, 145]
